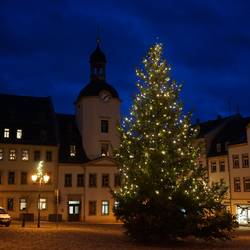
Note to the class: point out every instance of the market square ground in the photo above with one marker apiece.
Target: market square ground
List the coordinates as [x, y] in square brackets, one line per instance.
[81, 236]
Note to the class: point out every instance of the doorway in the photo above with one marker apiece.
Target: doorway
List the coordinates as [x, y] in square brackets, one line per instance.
[74, 210]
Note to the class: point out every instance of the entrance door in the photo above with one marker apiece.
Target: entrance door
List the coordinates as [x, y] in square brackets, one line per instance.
[74, 210]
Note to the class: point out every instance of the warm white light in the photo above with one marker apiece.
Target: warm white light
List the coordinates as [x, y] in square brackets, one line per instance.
[34, 177]
[46, 178]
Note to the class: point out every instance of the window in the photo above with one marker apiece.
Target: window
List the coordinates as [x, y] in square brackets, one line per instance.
[23, 204]
[19, 133]
[72, 150]
[6, 133]
[92, 180]
[92, 207]
[105, 180]
[12, 155]
[246, 184]
[213, 167]
[80, 180]
[68, 180]
[245, 161]
[105, 207]
[10, 204]
[23, 178]
[1, 154]
[117, 180]
[37, 155]
[48, 155]
[11, 178]
[116, 204]
[236, 184]
[104, 149]
[42, 204]
[218, 147]
[25, 155]
[222, 166]
[236, 162]
[104, 126]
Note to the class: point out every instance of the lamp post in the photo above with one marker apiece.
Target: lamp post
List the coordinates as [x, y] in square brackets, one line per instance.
[40, 178]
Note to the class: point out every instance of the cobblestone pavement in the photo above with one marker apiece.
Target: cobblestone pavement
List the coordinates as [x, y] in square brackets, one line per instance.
[79, 236]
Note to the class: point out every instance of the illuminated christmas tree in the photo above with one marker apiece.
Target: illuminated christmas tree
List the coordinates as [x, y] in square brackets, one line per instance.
[164, 193]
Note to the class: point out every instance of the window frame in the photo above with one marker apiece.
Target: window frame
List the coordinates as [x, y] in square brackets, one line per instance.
[92, 212]
[94, 183]
[222, 163]
[105, 208]
[246, 179]
[105, 180]
[236, 158]
[67, 180]
[213, 166]
[104, 126]
[80, 182]
[237, 182]
[12, 154]
[245, 159]
[11, 178]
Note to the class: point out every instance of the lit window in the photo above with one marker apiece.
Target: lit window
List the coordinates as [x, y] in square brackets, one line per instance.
[10, 204]
[245, 161]
[72, 151]
[213, 167]
[104, 149]
[92, 180]
[246, 184]
[222, 166]
[19, 134]
[12, 155]
[236, 162]
[1, 154]
[25, 155]
[105, 180]
[105, 207]
[104, 126]
[236, 184]
[23, 204]
[92, 207]
[42, 204]
[6, 133]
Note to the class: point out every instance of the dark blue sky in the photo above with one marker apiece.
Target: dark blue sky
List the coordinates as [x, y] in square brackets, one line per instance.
[45, 47]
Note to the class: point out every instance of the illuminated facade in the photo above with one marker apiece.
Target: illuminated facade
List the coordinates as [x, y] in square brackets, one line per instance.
[76, 151]
[226, 155]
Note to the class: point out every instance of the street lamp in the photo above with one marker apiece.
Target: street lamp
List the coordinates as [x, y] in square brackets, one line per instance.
[40, 178]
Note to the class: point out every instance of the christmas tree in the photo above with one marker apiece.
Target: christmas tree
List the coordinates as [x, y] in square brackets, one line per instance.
[164, 192]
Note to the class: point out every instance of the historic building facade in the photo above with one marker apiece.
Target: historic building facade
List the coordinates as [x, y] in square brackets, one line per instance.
[226, 155]
[75, 150]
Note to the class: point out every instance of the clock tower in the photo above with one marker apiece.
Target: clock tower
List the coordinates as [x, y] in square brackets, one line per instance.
[98, 110]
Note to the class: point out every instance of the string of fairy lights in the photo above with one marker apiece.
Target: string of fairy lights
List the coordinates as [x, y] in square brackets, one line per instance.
[156, 136]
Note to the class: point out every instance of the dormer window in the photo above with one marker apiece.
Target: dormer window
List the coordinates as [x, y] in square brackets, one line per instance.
[218, 147]
[72, 151]
[19, 133]
[6, 133]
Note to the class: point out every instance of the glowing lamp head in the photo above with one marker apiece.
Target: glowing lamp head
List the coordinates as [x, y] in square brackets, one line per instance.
[34, 178]
[46, 178]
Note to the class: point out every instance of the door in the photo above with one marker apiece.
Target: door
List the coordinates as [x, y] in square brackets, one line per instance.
[74, 209]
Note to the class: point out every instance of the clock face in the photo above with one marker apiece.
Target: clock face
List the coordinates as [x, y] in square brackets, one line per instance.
[105, 97]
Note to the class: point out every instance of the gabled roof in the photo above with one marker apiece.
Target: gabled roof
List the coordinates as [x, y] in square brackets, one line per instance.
[33, 115]
[234, 132]
[69, 135]
[208, 126]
